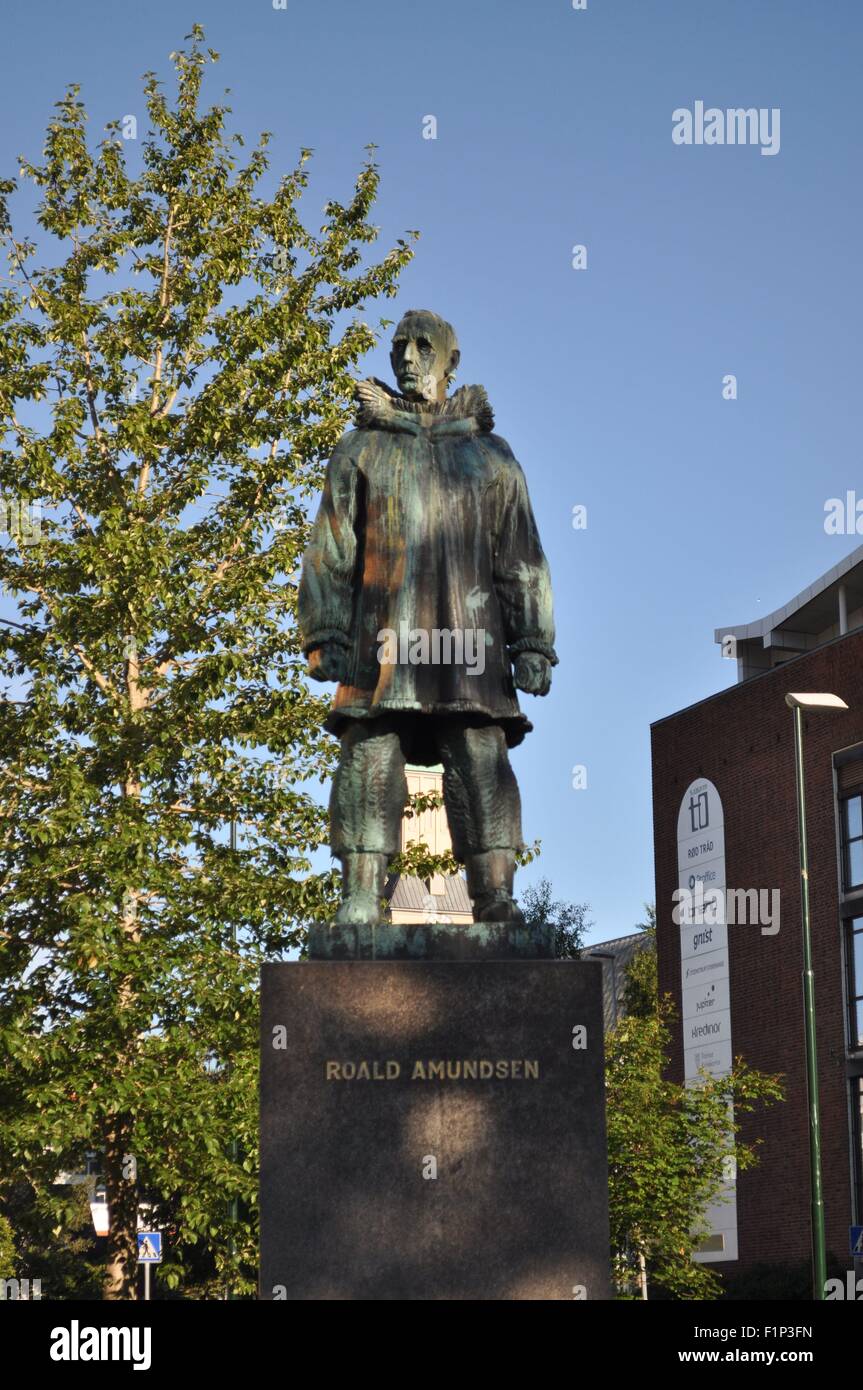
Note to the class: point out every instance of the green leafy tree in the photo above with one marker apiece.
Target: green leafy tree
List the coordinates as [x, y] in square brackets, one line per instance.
[54, 1238]
[641, 980]
[668, 1144]
[177, 358]
[8, 1252]
[568, 919]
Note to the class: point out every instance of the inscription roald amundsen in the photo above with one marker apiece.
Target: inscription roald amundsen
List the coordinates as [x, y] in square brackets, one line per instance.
[475, 1069]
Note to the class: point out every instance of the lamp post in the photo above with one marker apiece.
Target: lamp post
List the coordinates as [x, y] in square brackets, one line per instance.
[798, 703]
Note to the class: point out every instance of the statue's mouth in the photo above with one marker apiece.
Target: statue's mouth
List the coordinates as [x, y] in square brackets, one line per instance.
[410, 384]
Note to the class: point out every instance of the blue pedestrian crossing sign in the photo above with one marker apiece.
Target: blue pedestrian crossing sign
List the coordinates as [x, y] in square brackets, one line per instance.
[149, 1247]
[856, 1234]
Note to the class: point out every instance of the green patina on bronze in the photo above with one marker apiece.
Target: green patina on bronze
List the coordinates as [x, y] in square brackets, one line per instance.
[431, 941]
[426, 594]
[425, 524]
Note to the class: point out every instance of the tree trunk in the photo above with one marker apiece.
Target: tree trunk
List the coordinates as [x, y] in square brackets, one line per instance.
[121, 1266]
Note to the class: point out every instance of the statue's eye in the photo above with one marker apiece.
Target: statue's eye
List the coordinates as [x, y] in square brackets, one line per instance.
[423, 344]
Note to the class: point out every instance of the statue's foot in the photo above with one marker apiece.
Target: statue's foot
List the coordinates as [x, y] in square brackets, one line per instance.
[498, 907]
[358, 910]
[490, 877]
[363, 875]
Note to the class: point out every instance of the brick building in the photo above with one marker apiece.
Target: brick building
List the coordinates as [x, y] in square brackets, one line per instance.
[725, 817]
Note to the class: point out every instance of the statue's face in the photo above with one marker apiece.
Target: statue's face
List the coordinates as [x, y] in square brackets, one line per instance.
[421, 359]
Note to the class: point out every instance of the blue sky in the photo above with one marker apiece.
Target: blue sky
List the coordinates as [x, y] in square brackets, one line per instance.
[554, 129]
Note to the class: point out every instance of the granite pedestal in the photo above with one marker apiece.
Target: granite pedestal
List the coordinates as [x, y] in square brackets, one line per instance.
[433, 1128]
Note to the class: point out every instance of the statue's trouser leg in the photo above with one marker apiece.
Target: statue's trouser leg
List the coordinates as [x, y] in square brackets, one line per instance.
[484, 812]
[368, 796]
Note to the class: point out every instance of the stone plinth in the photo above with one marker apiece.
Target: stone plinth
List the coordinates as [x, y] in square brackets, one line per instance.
[431, 941]
[429, 1131]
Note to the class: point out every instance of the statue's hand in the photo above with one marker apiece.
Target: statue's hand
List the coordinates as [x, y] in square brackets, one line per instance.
[532, 673]
[328, 662]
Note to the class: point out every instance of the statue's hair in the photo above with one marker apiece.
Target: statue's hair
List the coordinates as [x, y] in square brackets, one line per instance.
[445, 329]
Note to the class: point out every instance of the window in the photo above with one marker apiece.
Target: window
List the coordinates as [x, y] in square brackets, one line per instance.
[852, 827]
[849, 779]
[857, 1132]
[854, 956]
[852, 842]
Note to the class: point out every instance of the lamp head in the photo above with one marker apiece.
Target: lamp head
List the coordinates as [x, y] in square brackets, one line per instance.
[814, 700]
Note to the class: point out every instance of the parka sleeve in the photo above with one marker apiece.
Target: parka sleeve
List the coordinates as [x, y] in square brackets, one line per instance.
[326, 595]
[521, 575]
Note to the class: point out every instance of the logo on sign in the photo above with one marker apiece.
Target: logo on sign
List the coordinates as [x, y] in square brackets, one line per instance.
[707, 1001]
[698, 812]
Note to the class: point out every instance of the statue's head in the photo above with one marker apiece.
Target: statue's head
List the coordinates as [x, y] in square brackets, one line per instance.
[424, 355]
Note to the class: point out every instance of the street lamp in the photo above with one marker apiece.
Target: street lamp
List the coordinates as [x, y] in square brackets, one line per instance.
[798, 703]
[99, 1210]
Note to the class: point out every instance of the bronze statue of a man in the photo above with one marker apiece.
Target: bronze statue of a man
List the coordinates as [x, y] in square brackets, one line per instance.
[425, 593]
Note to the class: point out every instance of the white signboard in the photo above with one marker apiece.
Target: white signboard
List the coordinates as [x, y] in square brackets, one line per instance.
[705, 974]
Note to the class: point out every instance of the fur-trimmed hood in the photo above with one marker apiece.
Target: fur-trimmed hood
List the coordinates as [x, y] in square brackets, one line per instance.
[466, 411]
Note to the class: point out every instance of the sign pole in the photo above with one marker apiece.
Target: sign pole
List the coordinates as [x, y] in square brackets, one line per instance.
[149, 1253]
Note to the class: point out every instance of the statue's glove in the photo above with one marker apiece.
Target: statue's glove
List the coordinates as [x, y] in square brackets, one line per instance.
[328, 662]
[532, 673]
